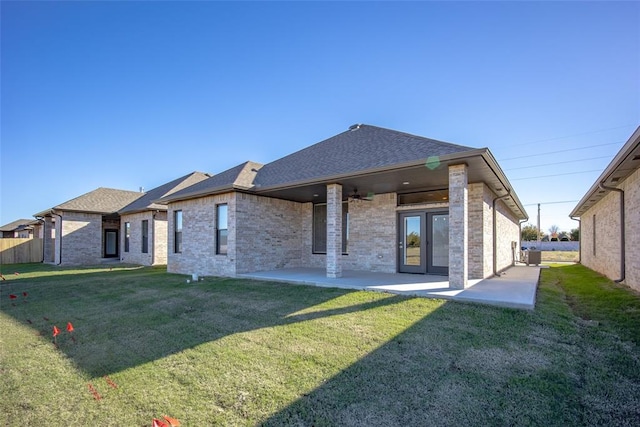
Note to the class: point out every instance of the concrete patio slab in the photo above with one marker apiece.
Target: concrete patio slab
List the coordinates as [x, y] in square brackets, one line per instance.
[515, 287]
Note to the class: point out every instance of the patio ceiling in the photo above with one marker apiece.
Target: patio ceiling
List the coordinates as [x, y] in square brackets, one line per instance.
[418, 176]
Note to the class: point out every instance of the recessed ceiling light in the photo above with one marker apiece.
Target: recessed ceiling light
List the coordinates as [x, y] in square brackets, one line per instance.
[405, 183]
[315, 195]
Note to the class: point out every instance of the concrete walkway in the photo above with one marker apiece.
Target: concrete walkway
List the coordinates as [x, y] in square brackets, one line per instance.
[515, 288]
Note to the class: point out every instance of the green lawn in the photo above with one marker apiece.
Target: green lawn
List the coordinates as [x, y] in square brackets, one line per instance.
[237, 352]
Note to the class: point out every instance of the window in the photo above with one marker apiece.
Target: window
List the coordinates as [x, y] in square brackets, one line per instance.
[222, 229]
[145, 236]
[127, 235]
[594, 235]
[320, 228]
[177, 227]
[436, 196]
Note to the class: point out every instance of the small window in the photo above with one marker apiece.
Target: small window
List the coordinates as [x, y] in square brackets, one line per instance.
[127, 235]
[436, 196]
[320, 228]
[177, 226]
[222, 229]
[145, 236]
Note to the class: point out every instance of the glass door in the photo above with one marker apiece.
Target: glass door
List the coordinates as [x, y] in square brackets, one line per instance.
[438, 250]
[423, 242]
[412, 254]
[110, 243]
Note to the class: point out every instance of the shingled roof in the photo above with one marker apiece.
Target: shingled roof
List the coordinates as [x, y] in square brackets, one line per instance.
[359, 149]
[17, 224]
[147, 201]
[101, 200]
[240, 177]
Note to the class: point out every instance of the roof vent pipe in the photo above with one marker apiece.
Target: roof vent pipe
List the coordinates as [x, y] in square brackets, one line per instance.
[355, 127]
[622, 229]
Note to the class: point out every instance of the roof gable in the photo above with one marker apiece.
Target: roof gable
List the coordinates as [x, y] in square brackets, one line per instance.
[361, 148]
[147, 201]
[101, 200]
[240, 177]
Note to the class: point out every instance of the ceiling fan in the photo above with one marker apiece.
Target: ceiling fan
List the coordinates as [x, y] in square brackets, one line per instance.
[356, 197]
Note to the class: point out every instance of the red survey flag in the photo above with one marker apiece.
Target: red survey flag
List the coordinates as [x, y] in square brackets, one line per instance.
[56, 331]
[158, 423]
[12, 296]
[172, 421]
[69, 327]
[24, 294]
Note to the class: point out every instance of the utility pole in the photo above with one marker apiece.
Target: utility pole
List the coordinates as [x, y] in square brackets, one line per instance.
[538, 225]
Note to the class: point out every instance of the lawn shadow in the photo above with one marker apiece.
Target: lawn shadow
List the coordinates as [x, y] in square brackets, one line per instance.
[129, 317]
[456, 366]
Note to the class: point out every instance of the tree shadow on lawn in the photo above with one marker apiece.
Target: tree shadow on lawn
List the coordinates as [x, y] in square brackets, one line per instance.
[127, 318]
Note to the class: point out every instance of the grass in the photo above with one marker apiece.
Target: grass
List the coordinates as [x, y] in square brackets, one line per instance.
[237, 352]
[560, 256]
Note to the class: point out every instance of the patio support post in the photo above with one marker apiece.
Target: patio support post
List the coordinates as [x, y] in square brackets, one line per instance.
[458, 226]
[47, 239]
[334, 230]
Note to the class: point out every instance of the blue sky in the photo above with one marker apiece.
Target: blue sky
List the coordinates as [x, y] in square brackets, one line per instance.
[131, 94]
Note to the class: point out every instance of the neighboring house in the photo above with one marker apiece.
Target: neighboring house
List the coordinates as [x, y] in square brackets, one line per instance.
[143, 223]
[22, 229]
[367, 199]
[86, 228]
[610, 218]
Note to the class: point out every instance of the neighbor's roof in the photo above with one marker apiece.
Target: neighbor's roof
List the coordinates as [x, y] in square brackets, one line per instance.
[621, 167]
[359, 149]
[101, 200]
[147, 201]
[240, 177]
[20, 223]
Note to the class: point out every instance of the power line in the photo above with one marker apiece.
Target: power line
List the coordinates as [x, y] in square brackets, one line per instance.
[561, 151]
[558, 163]
[552, 203]
[570, 136]
[558, 174]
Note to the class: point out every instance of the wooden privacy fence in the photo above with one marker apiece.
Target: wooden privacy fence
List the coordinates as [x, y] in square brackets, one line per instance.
[15, 251]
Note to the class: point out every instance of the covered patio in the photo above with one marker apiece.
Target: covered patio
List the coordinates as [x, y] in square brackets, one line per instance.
[514, 288]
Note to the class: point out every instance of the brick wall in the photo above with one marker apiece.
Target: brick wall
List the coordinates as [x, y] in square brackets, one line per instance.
[135, 255]
[508, 231]
[160, 238]
[606, 259]
[80, 238]
[198, 237]
[269, 233]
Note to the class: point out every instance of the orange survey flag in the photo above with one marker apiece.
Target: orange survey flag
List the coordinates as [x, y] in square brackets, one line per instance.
[69, 327]
[158, 423]
[172, 421]
[56, 331]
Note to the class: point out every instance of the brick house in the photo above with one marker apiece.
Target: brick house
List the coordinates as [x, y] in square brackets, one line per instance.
[610, 218]
[21, 229]
[85, 230]
[366, 199]
[143, 223]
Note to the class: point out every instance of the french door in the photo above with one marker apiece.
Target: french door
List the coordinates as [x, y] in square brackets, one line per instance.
[110, 243]
[423, 242]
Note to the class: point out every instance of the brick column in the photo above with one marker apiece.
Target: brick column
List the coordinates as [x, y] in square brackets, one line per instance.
[458, 226]
[334, 230]
[47, 239]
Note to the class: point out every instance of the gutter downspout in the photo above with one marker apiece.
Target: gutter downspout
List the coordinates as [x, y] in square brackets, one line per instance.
[579, 238]
[495, 231]
[622, 230]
